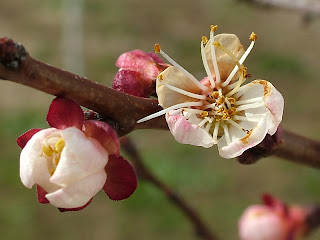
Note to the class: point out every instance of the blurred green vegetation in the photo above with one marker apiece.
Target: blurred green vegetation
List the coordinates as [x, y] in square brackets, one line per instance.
[286, 54]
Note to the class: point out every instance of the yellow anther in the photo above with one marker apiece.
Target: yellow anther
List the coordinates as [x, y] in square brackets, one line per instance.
[231, 100]
[160, 77]
[157, 48]
[216, 43]
[232, 111]
[221, 100]
[204, 114]
[244, 71]
[214, 28]
[220, 110]
[47, 150]
[225, 116]
[215, 94]
[253, 36]
[59, 145]
[218, 118]
[204, 39]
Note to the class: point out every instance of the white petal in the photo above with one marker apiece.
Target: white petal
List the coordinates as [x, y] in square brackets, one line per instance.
[272, 98]
[33, 167]
[174, 77]
[80, 157]
[225, 63]
[188, 133]
[239, 145]
[79, 193]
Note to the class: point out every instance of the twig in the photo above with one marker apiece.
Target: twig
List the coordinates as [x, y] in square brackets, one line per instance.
[123, 109]
[143, 172]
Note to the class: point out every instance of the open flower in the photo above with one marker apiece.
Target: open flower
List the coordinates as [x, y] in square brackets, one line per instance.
[218, 110]
[272, 221]
[74, 159]
[138, 72]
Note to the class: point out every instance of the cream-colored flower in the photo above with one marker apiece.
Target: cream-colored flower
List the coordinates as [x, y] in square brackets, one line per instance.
[218, 110]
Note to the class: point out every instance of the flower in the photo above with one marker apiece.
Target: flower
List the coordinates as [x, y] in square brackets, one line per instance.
[272, 221]
[138, 72]
[217, 109]
[74, 159]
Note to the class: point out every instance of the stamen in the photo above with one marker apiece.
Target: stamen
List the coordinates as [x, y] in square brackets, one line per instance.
[215, 94]
[184, 92]
[251, 100]
[218, 45]
[204, 40]
[250, 106]
[205, 62]
[59, 145]
[216, 130]
[191, 110]
[236, 88]
[226, 134]
[248, 119]
[237, 125]
[204, 114]
[174, 107]
[207, 129]
[231, 100]
[157, 48]
[213, 55]
[203, 122]
[241, 61]
[47, 150]
[173, 63]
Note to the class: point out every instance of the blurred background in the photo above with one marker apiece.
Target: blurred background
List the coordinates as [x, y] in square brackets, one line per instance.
[86, 37]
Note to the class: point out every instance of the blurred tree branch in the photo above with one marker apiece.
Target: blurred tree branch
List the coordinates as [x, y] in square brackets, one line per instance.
[309, 8]
[145, 174]
[122, 110]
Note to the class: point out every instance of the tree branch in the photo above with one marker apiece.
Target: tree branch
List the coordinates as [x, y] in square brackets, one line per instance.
[309, 8]
[144, 173]
[123, 109]
[17, 66]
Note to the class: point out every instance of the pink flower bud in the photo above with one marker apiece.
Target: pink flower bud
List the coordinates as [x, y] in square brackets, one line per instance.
[138, 72]
[272, 221]
[74, 159]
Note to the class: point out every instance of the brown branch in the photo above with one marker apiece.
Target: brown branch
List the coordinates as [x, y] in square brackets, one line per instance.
[309, 8]
[144, 173]
[17, 66]
[123, 109]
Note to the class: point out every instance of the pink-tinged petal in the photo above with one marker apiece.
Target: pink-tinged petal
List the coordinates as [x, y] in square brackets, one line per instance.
[78, 193]
[262, 223]
[274, 102]
[24, 138]
[275, 204]
[122, 179]
[80, 157]
[33, 166]
[141, 62]
[251, 139]
[41, 193]
[75, 209]
[104, 134]
[174, 77]
[186, 132]
[129, 82]
[64, 113]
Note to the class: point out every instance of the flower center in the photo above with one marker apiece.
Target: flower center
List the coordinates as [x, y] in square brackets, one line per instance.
[52, 147]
